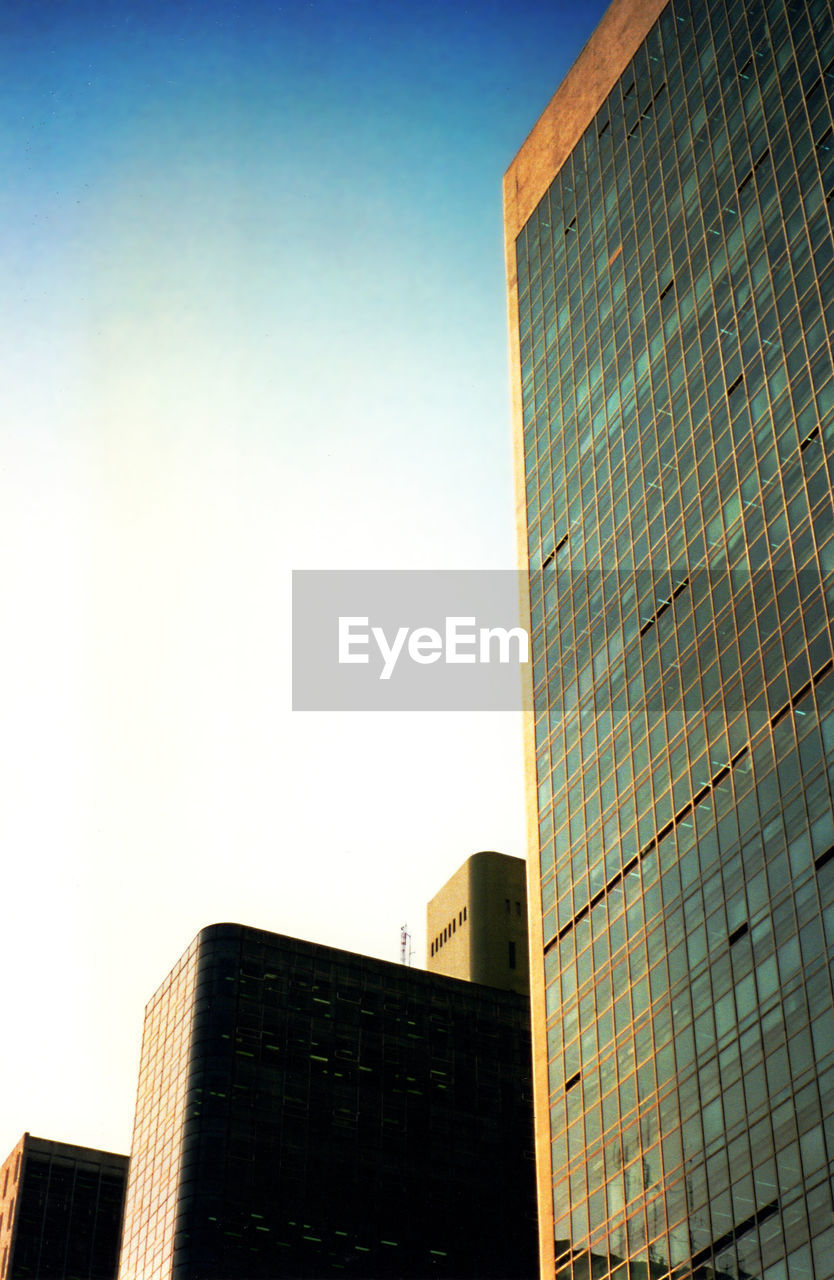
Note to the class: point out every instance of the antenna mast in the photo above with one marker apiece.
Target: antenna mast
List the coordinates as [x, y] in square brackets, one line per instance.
[406, 951]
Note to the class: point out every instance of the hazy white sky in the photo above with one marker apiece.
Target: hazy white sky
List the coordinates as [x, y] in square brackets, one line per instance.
[253, 321]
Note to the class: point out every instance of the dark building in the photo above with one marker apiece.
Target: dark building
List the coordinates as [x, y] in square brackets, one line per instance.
[671, 278]
[303, 1112]
[60, 1211]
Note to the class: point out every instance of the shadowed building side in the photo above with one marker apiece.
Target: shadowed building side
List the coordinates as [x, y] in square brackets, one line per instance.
[60, 1211]
[328, 1113]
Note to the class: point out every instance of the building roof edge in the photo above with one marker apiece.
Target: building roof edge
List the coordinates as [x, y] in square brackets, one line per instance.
[619, 33]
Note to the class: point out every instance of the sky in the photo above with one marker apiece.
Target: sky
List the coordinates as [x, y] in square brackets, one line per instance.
[253, 321]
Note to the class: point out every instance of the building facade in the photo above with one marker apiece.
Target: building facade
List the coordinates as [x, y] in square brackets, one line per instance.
[303, 1111]
[671, 296]
[60, 1211]
[476, 925]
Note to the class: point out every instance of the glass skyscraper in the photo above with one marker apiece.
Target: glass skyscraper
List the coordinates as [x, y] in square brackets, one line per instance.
[671, 295]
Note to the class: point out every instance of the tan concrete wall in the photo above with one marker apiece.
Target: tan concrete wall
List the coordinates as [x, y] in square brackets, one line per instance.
[445, 915]
[10, 1177]
[623, 27]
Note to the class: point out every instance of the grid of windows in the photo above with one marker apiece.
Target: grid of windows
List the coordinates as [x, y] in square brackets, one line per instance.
[153, 1184]
[676, 299]
[338, 1114]
[61, 1215]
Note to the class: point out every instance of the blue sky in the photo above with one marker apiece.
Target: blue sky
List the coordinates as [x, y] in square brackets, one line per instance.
[253, 320]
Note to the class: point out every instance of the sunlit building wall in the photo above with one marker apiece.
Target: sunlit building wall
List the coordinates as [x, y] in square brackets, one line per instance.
[671, 297]
[153, 1190]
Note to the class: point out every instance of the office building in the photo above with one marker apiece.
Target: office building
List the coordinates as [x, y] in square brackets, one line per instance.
[671, 297]
[476, 925]
[60, 1211]
[303, 1111]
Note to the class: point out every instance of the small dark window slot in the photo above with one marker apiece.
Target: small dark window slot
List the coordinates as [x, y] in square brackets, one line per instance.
[738, 933]
[663, 606]
[721, 1243]
[571, 225]
[811, 436]
[554, 553]
[735, 385]
[666, 288]
[780, 715]
[573, 1080]
[604, 128]
[824, 858]
[745, 69]
[625, 871]
[598, 896]
[825, 139]
[759, 162]
[800, 693]
[580, 915]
